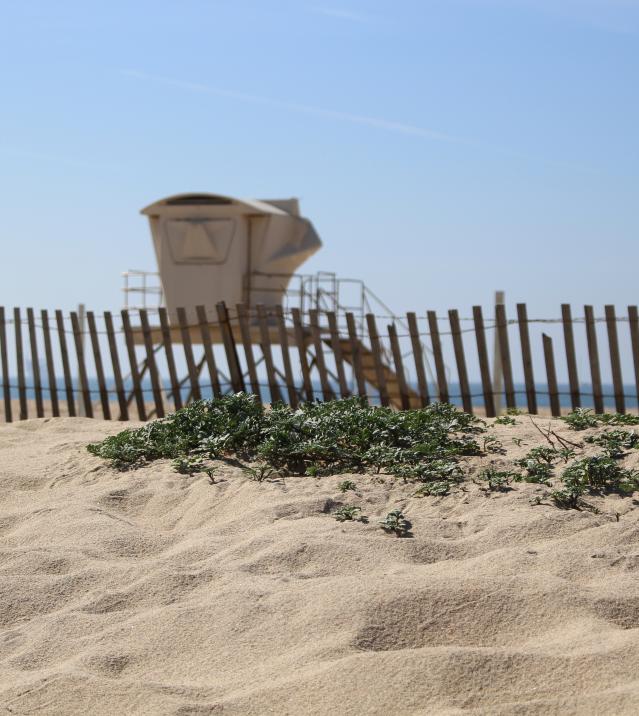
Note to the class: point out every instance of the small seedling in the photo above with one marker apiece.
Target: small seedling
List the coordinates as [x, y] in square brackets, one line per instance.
[259, 473]
[514, 411]
[491, 444]
[347, 485]
[210, 472]
[187, 465]
[396, 522]
[439, 488]
[505, 420]
[497, 480]
[347, 513]
[518, 441]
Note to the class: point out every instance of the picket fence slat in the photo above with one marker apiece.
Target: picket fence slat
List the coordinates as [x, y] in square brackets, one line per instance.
[35, 363]
[267, 353]
[356, 354]
[418, 356]
[99, 369]
[115, 363]
[209, 356]
[320, 363]
[4, 360]
[615, 361]
[484, 366]
[440, 367]
[300, 339]
[373, 337]
[551, 376]
[633, 321]
[169, 354]
[460, 360]
[66, 368]
[286, 357]
[337, 353]
[185, 333]
[232, 358]
[82, 369]
[504, 355]
[571, 358]
[526, 357]
[399, 367]
[593, 355]
[133, 365]
[22, 389]
[48, 355]
[247, 343]
[151, 364]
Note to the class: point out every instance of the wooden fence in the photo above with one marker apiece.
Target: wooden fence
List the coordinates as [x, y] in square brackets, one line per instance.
[143, 364]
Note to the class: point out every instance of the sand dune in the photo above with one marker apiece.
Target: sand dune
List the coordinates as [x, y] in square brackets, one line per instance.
[151, 593]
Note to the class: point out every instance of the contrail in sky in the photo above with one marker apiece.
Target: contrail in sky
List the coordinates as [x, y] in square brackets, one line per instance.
[376, 122]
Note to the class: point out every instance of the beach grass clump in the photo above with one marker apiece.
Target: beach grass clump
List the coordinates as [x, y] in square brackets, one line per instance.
[584, 418]
[318, 438]
[615, 442]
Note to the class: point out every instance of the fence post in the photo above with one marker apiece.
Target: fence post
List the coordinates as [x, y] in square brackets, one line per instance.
[6, 387]
[48, 353]
[440, 367]
[82, 371]
[286, 358]
[484, 367]
[22, 390]
[133, 364]
[633, 322]
[185, 332]
[418, 355]
[66, 369]
[615, 362]
[356, 353]
[176, 388]
[97, 358]
[274, 388]
[460, 359]
[593, 354]
[247, 342]
[300, 339]
[150, 361]
[571, 360]
[504, 353]
[399, 366]
[115, 362]
[526, 356]
[498, 372]
[237, 380]
[327, 393]
[373, 337]
[35, 363]
[551, 375]
[337, 352]
[208, 350]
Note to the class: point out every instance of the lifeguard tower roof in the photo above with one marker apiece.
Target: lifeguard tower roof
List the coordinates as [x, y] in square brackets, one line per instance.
[211, 247]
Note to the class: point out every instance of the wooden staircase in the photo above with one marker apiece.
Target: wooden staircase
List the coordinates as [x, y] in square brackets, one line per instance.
[369, 371]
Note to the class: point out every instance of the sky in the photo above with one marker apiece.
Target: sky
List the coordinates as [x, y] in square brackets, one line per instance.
[442, 149]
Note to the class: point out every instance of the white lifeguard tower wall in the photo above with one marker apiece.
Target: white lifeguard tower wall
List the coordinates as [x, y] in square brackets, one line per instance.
[213, 248]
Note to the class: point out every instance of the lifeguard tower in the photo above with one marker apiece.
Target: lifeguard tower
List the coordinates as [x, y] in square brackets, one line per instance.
[213, 249]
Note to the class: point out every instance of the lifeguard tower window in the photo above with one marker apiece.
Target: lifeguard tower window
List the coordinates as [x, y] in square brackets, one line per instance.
[201, 199]
[200, 241]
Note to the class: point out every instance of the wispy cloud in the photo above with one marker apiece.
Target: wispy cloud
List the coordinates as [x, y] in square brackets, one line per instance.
[375, 122]
[341, 14]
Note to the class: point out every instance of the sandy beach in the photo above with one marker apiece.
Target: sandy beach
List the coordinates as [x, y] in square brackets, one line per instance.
[148, 592]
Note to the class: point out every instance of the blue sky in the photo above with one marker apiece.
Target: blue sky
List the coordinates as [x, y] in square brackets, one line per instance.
[442, 149]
